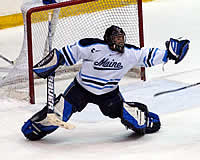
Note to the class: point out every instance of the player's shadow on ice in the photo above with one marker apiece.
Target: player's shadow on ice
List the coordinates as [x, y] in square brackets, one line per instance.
[129, 137]
[134, 136]
[90, 140]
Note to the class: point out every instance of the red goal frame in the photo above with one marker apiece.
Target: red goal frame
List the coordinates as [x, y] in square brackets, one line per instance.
[64, 4]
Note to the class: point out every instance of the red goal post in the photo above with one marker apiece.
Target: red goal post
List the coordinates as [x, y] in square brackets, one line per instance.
[82, 8]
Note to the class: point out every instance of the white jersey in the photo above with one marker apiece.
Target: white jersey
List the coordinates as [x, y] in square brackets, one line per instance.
[102, 68]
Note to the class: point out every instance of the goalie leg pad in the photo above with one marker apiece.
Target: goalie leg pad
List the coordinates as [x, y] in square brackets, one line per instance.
[36, 131]
[134, 116]
[62, 109]
[49, 64]
[153, 123]
[37, 126]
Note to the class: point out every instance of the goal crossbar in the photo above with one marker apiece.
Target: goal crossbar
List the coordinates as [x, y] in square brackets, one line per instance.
[73, 3]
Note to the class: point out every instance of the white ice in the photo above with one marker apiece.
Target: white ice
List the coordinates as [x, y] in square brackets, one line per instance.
[98, 137]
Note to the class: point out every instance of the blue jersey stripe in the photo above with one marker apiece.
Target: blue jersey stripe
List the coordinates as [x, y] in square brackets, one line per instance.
[144, 61]
[154, 56]
[114, 79]
[165, 58]
[99, 88]
[94, 77]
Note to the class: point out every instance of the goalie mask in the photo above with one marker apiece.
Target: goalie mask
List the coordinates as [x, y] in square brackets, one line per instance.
[115, 38]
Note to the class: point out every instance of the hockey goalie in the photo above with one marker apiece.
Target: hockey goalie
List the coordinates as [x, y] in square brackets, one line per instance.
[105, 62]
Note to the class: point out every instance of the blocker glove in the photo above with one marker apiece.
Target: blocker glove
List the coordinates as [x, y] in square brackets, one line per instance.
[176, 50]
[49, 64]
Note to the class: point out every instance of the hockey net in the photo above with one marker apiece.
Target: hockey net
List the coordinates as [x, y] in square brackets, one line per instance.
[71, 21]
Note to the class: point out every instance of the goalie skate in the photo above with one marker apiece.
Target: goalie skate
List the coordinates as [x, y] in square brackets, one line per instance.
[54, 120]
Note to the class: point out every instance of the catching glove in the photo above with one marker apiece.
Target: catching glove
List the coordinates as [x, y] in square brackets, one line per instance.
[176, 49]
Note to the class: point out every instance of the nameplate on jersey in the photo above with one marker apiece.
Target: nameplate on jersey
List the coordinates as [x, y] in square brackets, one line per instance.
[107, 64]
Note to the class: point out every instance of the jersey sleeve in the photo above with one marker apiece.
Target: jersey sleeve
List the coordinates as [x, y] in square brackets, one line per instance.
[73, 53]
[148, 57]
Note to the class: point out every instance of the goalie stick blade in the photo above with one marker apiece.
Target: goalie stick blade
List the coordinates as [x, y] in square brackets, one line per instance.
[54, 120]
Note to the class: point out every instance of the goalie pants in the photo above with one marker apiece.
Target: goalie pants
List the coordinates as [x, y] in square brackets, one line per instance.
[110, 103]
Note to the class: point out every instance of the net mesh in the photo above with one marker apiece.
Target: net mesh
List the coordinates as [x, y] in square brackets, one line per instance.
[70, 24]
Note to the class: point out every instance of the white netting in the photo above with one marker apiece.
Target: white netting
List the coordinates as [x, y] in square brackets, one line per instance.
[69, 25]
[15, 83]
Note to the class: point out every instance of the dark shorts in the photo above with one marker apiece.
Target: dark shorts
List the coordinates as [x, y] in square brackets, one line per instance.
[110, 103]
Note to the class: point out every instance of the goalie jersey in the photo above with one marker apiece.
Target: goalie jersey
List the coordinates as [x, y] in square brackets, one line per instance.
[102, 68]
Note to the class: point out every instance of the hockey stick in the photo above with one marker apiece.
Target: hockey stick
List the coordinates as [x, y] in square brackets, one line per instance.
[50, 79]
[178, 89]
[6, 59]
[51, 116]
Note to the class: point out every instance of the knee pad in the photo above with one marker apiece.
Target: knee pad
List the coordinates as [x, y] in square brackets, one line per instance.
[112, 110]
[112, 106]
[134, 116]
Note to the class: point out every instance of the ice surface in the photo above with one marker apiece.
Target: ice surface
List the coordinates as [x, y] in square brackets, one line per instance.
[98, 137]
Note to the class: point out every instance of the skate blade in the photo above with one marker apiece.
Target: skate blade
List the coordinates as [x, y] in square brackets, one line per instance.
[54, 120]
